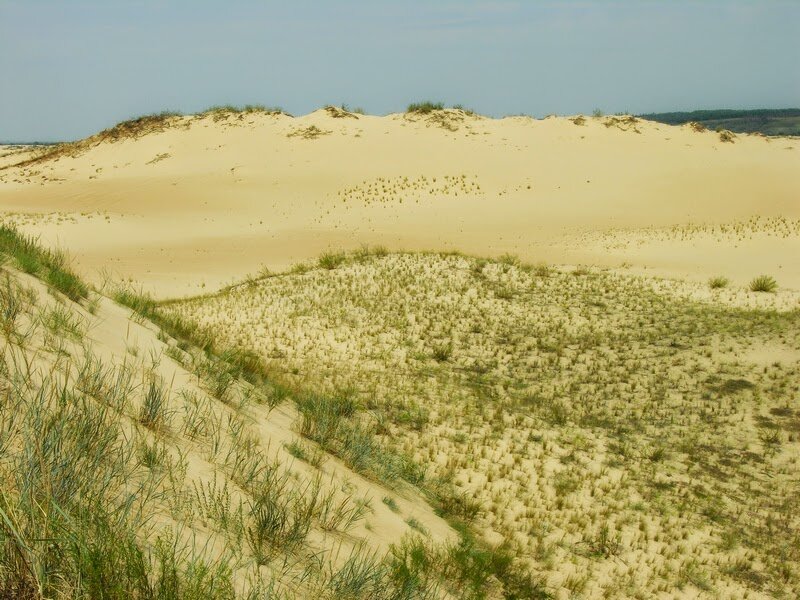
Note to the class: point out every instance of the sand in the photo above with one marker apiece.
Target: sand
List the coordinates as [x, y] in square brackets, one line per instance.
[612, 424]
[206, 201]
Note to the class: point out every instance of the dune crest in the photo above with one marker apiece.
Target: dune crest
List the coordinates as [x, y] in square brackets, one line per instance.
[184, 204]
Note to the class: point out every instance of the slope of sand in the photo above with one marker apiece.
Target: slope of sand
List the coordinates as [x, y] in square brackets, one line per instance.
[222, 450]
[207, 200]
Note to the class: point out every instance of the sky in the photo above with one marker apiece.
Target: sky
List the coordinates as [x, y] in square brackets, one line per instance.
[71, 68]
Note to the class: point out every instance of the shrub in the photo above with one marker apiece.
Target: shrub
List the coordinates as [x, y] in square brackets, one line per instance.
[763, 283]
[331, 260]
[424, 107]
[718, 282]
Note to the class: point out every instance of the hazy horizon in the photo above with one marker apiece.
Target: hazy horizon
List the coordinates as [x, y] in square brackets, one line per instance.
[75, 69]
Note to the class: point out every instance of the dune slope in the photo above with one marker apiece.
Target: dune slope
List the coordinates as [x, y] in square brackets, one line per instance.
[133, 465]
[626, 437]
[200, 201]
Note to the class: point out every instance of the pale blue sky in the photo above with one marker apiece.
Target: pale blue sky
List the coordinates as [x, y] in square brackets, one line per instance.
[70, 68]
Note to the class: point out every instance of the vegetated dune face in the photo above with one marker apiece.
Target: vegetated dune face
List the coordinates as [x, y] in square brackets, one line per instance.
[201, 201]
[623, 437]
[124, 452]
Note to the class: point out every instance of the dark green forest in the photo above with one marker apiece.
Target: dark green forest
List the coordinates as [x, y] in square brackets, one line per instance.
[781, 121]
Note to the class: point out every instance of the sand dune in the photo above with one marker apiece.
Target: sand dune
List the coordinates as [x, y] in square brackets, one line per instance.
[206, 200]
[379, 424]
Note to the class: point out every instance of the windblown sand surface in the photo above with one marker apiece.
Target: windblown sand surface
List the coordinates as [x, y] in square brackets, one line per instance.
[204, 201]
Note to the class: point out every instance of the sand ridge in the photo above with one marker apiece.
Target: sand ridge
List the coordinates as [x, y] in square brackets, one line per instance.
[207, 200]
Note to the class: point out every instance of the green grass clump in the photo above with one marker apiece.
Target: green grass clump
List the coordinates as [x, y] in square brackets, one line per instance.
[331, 260]
[153, 411]
[424, 107]
[415, 524]
[49, 265]
[391, 503]
[764, 283]
[442, 351]
[718, 282]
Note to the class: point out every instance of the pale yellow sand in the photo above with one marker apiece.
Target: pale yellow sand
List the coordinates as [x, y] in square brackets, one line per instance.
[207, 201]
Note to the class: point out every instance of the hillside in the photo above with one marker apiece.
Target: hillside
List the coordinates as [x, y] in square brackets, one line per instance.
[137, 465]
[776, 122]
[627, 437]
[187, 204]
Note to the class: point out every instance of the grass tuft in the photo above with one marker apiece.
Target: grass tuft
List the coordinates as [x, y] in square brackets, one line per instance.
[331, 260]
[764, 283]
[718, 282]
[424, 107]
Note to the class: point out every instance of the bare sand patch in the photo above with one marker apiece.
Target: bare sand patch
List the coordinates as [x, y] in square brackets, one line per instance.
[246, 190]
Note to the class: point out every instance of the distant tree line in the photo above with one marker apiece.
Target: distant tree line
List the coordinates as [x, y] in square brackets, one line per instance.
[779, 121]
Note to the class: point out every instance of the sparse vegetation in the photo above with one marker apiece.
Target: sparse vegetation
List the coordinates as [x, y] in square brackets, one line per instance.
[718, 282]
[519, 375]
[85, 469]
[424, 107]
[763, 283]
[532, 431]
[50, 265]
[226, 111]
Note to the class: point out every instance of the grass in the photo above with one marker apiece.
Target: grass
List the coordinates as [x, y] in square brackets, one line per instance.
[300, 451]
[331, 260]
[763, 283]
[425, 107]
[49, 265]
[416, 525]
[611, 427]
[718, 282]
[153, 411]
[442, 351]
[65, 529]
[87, 468]
[605, 386]
[224, 111]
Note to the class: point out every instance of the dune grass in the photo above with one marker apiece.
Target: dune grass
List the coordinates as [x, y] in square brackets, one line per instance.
[49, 265]
[96, 500]
[464, 378]
[610, 389]
[718, 282]
[764, 283]
[424, 107]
